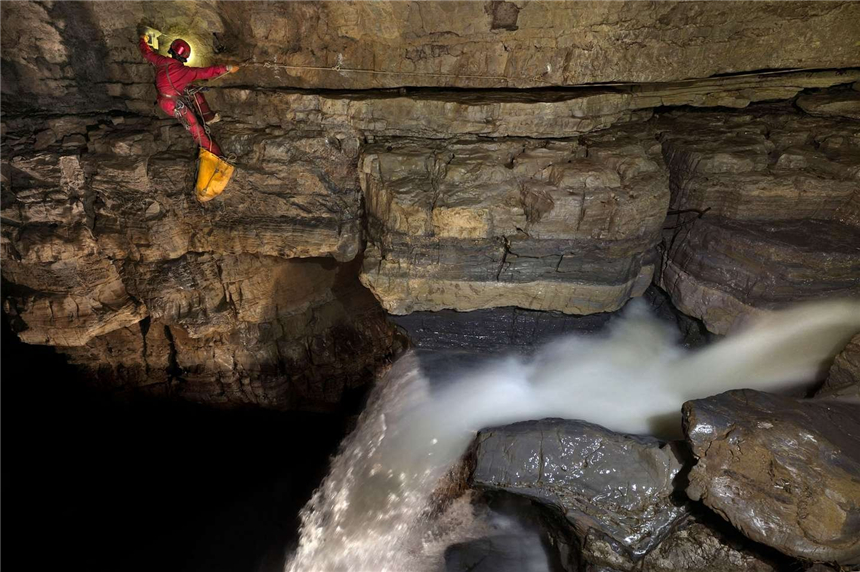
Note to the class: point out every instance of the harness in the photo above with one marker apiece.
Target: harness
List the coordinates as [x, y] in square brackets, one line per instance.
[183, 104]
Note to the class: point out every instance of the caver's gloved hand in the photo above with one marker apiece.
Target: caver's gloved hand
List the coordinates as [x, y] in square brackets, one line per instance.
[150, 35]
[232, 68]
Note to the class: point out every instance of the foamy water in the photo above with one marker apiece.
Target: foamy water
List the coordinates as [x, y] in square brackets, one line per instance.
[372, 511]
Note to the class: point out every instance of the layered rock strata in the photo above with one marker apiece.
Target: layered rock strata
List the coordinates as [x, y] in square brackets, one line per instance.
[556, 225]
[69, 47]
[765, 211]
[544, 199]
[108, 257]
[537, 113]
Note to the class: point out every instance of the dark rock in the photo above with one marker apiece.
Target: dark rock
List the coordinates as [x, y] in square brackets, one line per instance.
[493, 329]
[696, 547]
[44, 139]
[845, 371]
[501, 553]
[784, 471]
[765, 211]
[693, 332]
[615, 485]
[74, 141]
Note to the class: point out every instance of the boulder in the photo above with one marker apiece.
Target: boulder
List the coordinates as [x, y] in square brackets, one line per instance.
[694, 545]
[784, 471]
[605, 484]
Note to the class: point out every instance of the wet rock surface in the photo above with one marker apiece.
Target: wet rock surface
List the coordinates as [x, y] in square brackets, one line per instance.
[844, 374]
[500, 553]
[784, 471]
[695, 546]
[493, 329]
[605, 484]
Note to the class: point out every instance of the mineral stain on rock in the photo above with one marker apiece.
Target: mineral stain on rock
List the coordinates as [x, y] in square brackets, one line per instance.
[504, 15]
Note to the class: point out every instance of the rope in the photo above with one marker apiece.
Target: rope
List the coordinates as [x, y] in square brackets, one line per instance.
[340, 69]
[537, 78]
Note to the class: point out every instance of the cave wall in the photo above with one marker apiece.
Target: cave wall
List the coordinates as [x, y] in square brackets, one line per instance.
[722, 163]
[56, 52]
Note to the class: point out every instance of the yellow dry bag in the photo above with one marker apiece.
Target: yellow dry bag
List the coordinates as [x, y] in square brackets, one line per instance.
[213, 174]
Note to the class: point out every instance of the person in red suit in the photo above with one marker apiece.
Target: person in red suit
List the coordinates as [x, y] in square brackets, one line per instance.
[172, 77]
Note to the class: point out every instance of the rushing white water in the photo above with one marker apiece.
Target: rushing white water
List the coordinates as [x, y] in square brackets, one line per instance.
[371, 513]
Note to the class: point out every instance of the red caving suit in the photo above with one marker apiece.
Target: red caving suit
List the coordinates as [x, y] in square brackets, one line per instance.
[171, 79]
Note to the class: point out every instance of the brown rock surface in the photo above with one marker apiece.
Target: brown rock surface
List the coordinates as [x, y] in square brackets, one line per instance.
[693, 546]
[846, 104]
[107, 255]
[503, 112]
[556, 225]
[460, 44]
[696, 547]
[769, 212]
[544, 199]
[844, 375]
[786, 472]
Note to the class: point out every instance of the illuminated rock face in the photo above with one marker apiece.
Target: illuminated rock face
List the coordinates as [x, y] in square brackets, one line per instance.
[55, 50]
[107, 257]
[392, 167]
[552, 225]
[533, 200]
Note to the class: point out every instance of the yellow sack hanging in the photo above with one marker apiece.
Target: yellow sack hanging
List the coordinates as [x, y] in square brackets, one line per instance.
[213, 174]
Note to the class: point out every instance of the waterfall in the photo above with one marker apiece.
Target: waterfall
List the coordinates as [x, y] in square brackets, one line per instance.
[372, 512]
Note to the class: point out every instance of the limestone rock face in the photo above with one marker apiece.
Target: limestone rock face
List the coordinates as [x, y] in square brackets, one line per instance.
[607, 485]
[786, 472]
[764, 212]
[349, 146]
[287, 334]
[696, 547]
[68, 48]
[436, 114]
[846, 104]
[559, 225]
[845, 371]
[107, 256]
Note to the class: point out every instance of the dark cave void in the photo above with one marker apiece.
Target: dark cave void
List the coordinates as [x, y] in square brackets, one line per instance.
[93, 484]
